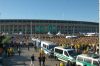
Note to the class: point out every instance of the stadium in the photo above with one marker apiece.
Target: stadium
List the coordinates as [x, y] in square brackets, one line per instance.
[31, 26]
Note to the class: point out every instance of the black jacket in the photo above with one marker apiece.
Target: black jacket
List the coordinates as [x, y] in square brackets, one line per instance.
[43, 58]
[32, 57]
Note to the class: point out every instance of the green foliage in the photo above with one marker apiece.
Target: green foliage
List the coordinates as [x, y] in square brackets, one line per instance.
[6, 40]
[1, 38]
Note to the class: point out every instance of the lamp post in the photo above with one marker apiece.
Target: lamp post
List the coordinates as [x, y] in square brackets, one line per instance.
[99, 27]
[21, 37]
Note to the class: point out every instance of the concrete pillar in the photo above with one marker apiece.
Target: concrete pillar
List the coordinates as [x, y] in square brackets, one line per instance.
[31, 27]
[25, 29]
[13, 29]
[4, 28]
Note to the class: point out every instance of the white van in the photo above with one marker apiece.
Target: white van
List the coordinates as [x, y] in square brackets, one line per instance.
[36, 42]
[87, 60]
[64, 54]
[48, 47]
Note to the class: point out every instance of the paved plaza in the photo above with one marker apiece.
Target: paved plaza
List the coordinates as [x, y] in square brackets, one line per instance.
[25, 60]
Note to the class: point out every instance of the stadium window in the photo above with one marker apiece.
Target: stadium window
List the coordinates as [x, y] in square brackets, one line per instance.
[65, 26]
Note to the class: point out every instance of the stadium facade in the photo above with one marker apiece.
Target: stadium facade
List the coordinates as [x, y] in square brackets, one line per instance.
[28, 26]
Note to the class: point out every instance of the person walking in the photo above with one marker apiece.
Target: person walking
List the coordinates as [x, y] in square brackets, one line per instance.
[8, 52]
[62, 64]
[67, 63]
[42, 52]
[32, 60]
[19, 51]
[35, 47]
[40, 59]
[43, 60]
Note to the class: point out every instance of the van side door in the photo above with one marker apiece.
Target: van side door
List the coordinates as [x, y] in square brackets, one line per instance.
[79, 61]
[87, 61]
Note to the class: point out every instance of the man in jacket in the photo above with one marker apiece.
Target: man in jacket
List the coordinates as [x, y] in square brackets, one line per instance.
[32, 60]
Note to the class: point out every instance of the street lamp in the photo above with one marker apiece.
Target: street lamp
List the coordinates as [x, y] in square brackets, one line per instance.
[20, 33]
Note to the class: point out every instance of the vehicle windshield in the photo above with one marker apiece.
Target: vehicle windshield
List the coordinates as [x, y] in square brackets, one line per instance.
[93, 55]
[72, 53]
[96, 63]
[51, 46]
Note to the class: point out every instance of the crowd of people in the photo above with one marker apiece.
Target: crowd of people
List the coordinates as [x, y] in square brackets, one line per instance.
[81, 44]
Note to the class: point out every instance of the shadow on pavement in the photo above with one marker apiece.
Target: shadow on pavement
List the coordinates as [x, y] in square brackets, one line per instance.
[17, 60]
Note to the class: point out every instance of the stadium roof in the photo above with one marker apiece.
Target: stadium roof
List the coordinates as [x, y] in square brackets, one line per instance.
[52, 21]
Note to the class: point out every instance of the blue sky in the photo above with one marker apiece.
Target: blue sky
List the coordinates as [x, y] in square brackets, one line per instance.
[81, 10]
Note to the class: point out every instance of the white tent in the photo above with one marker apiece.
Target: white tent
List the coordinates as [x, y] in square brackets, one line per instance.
[71, 36]
[59, 33]
[49, 33]
[91, 34]
[20, 33]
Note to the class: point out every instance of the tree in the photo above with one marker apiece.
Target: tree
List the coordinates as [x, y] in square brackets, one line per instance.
[1, 45]
[1, 39]
[6, 40]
